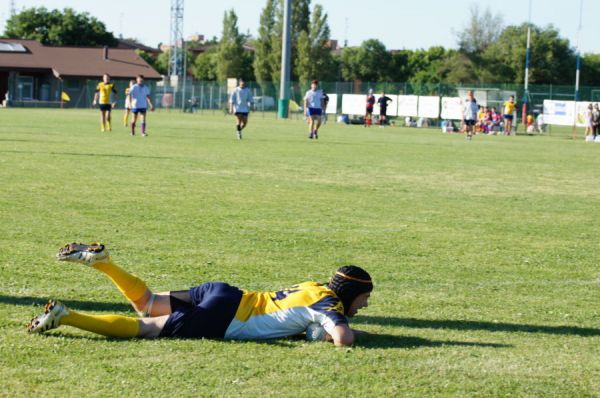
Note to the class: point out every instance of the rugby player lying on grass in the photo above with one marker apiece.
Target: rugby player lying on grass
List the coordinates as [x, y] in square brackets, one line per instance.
[215, 309]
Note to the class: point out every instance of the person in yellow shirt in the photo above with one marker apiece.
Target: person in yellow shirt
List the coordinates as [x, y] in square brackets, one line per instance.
[215, 309]
[127, 103]
[102, 97]
[509, 111]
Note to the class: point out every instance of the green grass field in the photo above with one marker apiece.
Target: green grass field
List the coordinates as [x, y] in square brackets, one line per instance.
[484, 254]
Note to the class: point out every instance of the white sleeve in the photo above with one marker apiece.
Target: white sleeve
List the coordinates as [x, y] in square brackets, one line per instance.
[329, 322]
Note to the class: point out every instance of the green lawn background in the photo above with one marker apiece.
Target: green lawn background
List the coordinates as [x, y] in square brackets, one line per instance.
[484, 254]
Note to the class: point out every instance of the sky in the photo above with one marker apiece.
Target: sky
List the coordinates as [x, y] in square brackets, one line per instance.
[397, 23]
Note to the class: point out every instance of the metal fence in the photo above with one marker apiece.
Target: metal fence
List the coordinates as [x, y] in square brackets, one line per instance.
[198, 96]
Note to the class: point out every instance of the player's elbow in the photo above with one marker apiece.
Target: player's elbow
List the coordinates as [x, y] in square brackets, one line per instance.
[342, 336]
[344, 341]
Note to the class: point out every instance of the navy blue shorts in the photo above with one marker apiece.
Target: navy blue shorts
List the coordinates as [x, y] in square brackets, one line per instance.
[139, 110]
[105, 107]
[213, 307]
[315, 112]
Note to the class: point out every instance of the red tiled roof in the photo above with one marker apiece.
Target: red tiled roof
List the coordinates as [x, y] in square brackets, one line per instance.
[77, 61]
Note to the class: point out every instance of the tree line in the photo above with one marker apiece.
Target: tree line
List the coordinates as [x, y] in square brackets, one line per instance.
[487, 50]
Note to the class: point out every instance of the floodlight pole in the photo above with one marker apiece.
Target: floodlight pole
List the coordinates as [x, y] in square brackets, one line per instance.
[578, 70]
[286, 56]
[527, 60]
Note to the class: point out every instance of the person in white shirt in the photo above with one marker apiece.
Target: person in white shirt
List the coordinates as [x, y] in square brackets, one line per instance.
[314, 103]
[240, 102]
[139, 97]
[470, 109]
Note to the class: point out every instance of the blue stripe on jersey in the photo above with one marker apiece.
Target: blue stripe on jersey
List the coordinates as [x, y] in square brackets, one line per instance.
[332, 308]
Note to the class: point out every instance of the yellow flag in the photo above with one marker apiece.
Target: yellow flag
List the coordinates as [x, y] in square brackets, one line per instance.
[64, 96]
[294, 106]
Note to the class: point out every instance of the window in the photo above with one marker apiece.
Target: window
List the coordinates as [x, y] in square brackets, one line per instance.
[9, 47]
[24, 88]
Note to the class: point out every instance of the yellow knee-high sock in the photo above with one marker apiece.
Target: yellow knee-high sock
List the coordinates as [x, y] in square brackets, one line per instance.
[106, 325]
[126, 118]
[108, 126]
[131, 286]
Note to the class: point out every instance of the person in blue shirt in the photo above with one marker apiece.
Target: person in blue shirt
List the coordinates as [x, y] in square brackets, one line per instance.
[470, 109]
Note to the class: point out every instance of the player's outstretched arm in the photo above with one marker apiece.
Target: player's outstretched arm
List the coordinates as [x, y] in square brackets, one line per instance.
[342, 336]
[150, 102]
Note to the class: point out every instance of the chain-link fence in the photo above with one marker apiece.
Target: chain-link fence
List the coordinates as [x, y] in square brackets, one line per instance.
[199, 96]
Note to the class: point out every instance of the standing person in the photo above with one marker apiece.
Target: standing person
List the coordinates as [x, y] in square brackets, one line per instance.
[139, 95]
[104, 89]
[325, 105]
[214, 310]
[470, 109]
[314, 101]
[596, 121]
[240, 102]
[509, 114]
[127, 103]
[589, 124]
[383, 102]
[369, 110]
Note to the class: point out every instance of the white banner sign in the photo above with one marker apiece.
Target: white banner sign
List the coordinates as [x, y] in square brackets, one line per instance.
[392, 109]
[354, 104]
[452, 108]
[408, 105]
[564, 113]
[332, 105]
[429, 107]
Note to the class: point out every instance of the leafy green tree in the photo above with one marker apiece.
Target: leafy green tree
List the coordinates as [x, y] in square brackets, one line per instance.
[590, 70]
[59, 28]
[426, 64]
[300, 23]
[300, 18]
[370, 62]
[153, 61]
[552, 57]
[457, 68]
[314, 59]
[205, 66]
[230, 52]
[263, 65]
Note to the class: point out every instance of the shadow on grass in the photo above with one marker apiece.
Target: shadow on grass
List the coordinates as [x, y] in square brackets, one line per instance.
[391, 341]
[19, 140]
[367, 341]
[476, 325]
[103, 155]
[75, 304]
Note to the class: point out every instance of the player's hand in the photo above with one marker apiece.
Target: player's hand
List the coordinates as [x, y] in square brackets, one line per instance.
[93, 103]
[151, 108]
[114, 105]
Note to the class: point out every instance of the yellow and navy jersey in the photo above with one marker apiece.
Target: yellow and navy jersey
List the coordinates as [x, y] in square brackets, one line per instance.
[105, 89]
[509, 107]
[287, 312]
